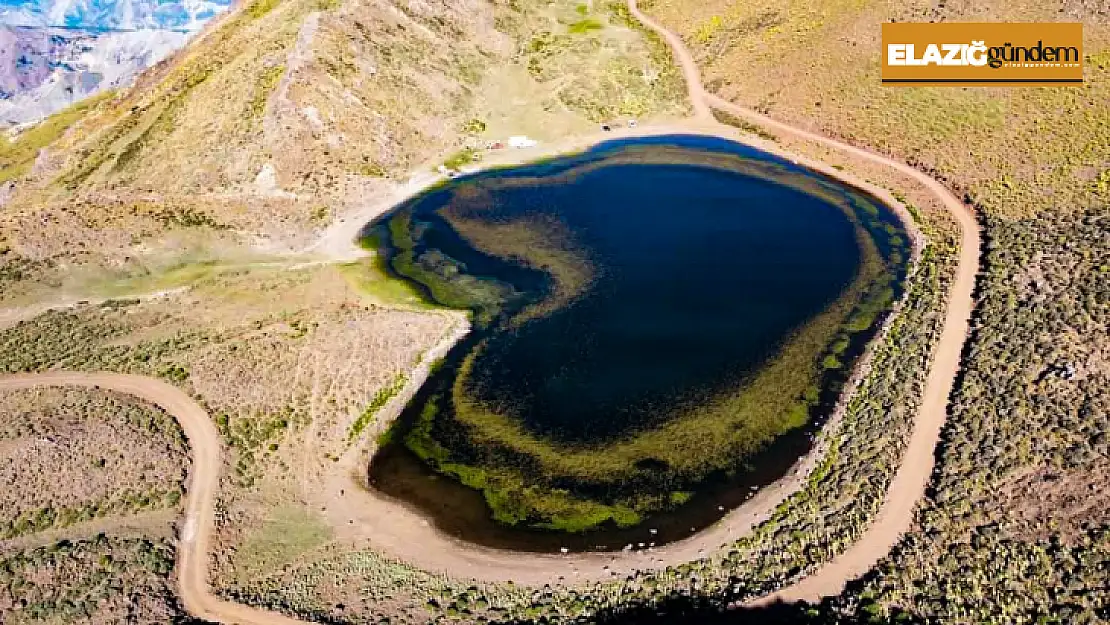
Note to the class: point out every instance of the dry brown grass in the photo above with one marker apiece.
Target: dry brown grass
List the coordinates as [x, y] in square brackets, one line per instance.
[1056, 503]
[1025, 438]
[286, 359]
[84, 453]
[90, 582]
[340, 101]
[268, 349]
[278, 122]
[1016, 151]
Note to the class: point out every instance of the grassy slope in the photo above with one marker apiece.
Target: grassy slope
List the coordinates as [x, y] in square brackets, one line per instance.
[1030, 415]
[342, 99]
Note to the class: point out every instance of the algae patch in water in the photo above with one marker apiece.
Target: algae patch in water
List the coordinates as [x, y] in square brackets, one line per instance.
[650, 316]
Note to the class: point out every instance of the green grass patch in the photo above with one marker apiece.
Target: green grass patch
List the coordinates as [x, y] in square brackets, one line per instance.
[462, 157]
[259, 8]
[186, 272]
[371, 277]
[267, 81]
[17, 157]
[287, 533]
[474, 127]
[729, 119]
[586, 25]
[380, 399]
[441, 275]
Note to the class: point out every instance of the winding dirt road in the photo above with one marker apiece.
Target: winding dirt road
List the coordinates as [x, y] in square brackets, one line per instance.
[204, 477]
[908, 486]
[424, 546]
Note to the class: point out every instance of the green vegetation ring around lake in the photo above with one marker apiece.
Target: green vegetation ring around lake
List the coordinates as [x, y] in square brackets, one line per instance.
[526, 415]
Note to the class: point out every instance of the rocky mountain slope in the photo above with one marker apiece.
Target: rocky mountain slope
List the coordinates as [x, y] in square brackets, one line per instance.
[291, 114]
[54, 53]
[43, 70]
[100, 15]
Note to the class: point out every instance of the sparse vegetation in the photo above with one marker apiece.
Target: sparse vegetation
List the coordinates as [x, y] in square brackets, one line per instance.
[1029, 406]
[585, 25]
[187, 145]
[748, 127]
[462, 157]
[381, 398]
[102, 580]
[18, 155]
[284, 535]
[474, 126]
[267, 81]
[1007, 533]
[70, 455]
[237, 348]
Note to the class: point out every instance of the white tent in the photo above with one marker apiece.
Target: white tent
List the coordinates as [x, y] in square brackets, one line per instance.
[521, 141]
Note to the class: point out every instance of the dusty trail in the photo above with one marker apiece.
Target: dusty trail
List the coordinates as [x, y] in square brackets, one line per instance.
[404, 534]
[200, 498]
[909, 483]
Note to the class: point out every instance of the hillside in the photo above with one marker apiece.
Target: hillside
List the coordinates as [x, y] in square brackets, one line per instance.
[178, 231]
[1025, 451]
[161, 231]
[287, 115]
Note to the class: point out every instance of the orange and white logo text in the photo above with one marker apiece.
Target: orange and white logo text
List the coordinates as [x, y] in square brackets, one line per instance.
[982, 54]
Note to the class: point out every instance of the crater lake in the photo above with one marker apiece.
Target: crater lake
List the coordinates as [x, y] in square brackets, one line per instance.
[659, 326]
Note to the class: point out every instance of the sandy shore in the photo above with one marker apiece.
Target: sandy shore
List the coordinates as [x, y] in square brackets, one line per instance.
[339, 242]
[397, 530]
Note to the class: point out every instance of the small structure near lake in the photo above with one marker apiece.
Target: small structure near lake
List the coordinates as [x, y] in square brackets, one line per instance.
[521, 141]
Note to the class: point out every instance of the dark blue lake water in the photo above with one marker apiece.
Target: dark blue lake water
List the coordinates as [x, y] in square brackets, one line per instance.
[617, 292]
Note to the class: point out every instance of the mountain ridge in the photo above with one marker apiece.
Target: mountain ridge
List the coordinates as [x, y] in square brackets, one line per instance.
[106, 15]
[54, 53]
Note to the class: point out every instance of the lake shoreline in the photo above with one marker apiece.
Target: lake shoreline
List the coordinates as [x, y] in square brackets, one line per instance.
[395, 520]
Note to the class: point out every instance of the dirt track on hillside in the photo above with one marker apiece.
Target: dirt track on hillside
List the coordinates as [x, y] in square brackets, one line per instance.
[401, 532]
[908, 487]
[204, 477]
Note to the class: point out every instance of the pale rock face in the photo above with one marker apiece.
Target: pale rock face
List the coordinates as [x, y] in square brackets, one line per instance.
[56, 52]
[312, 114]
[112, 14]
[45, 70]
[266, 183]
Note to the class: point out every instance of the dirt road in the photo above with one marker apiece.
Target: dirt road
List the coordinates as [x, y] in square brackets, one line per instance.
[204, 476]
[402, 533]
[908, 486]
